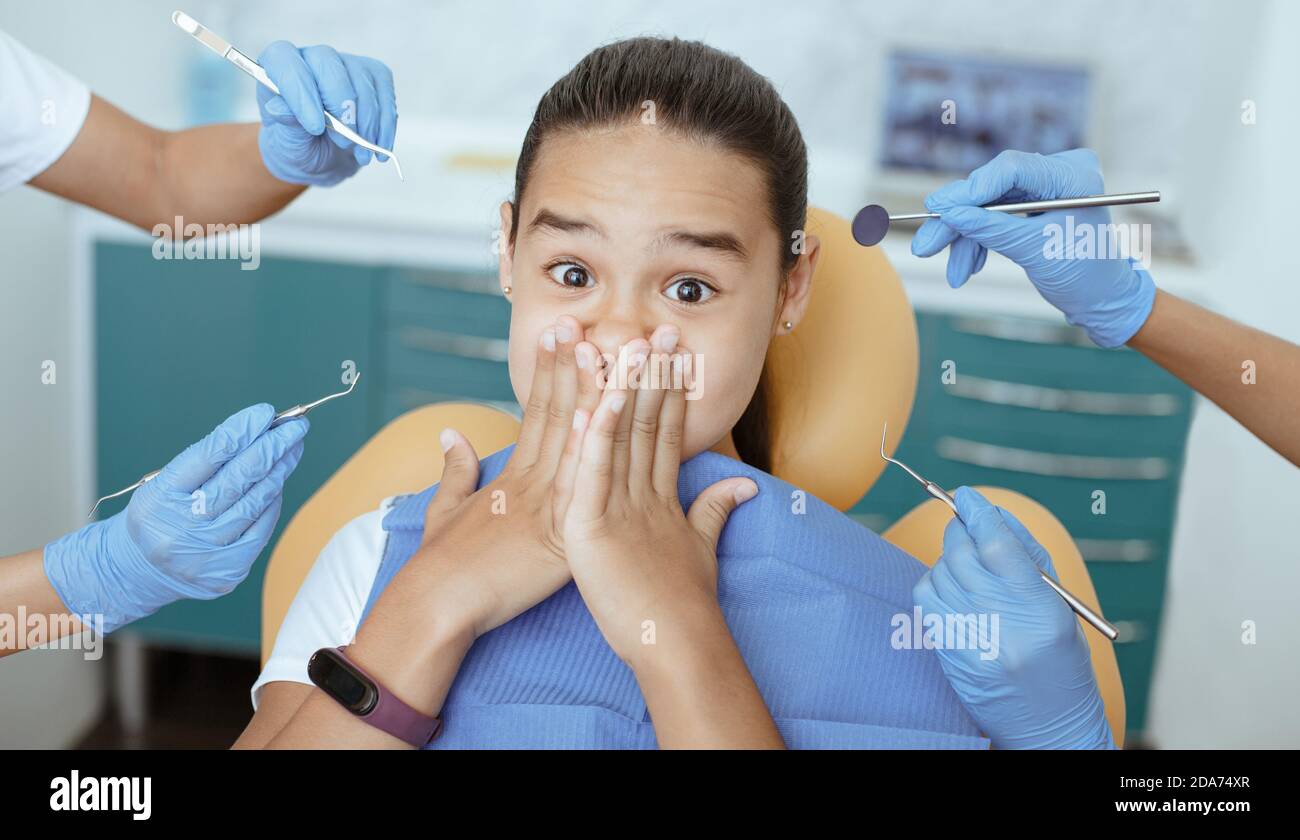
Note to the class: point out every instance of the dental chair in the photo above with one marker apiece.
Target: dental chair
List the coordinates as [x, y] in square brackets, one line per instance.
[848, 368]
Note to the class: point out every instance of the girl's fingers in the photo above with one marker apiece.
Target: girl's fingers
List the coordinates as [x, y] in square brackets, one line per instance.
[595, 480]
[672, 424]
[538, 409]
[656, 375]
[564, 395]
[459, 479]
[631, 359]
[566, 475]
[587, 358]
[590, 372]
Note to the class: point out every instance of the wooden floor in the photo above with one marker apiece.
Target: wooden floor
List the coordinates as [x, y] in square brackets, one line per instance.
[195, 701]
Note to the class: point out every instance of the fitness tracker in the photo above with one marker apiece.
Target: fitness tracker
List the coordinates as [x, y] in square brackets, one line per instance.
[355, 690]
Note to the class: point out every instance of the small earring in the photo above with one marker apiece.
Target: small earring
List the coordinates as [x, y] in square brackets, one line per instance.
[789, 326]
[506, 290]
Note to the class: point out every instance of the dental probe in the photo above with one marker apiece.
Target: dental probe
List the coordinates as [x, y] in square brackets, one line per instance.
[282, 417]
[1081, 609]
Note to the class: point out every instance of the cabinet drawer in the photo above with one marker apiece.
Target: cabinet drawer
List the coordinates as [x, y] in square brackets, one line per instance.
[1134, 509]
[450, 301]
[1038, 353]
[1136, 653]
[1127, 589]
[1059, 430]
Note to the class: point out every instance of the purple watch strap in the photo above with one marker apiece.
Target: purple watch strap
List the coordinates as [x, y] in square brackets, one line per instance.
[393, 716]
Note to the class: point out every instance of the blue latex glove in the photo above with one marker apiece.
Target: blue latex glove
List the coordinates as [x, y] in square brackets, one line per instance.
[1039, 692]
[192, 532]
[1109, 298]
[296, 142]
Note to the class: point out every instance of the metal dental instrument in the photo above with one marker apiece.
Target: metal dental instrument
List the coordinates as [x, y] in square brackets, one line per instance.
[284, 416]
[1081, 609]
[221, 47]
[872, 222]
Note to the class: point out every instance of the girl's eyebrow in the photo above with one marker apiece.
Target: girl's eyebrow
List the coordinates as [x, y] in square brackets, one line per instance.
[725, 243]
[550, 220]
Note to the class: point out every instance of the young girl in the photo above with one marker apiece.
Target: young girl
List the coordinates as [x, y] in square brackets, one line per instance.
[557, 595]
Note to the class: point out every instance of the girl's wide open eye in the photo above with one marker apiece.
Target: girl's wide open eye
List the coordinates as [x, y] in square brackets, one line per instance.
[573, 275]
[690, 291]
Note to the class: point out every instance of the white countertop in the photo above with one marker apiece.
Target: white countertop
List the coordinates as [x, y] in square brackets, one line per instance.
[445, 213]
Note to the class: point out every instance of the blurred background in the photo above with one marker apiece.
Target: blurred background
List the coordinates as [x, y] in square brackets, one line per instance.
[397, 278]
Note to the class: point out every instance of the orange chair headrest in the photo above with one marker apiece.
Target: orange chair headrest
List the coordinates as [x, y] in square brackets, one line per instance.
[848, 368]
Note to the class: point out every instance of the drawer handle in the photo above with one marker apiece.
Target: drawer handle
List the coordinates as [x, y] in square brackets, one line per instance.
[1033, 332]
[1131, 631]
[455, 344]
[1116, 551]
[1038, 397]
[1050, 463]
[478, 284]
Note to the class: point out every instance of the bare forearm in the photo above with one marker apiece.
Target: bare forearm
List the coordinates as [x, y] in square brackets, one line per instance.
[1253, 376]
[410, 645]
[214, 175]
[26, 591]
[699, 692]
[207, 175]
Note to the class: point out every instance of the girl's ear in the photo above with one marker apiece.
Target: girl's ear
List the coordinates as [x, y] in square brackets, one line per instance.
[798, 287]
[505, 251]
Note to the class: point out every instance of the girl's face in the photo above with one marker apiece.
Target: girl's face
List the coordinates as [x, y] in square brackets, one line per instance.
[629, 227]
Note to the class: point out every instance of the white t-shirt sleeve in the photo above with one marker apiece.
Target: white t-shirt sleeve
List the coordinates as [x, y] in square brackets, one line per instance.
[42, 109]
[327, 608]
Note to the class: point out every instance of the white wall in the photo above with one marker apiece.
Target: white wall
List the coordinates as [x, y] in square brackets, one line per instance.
[1236, 557]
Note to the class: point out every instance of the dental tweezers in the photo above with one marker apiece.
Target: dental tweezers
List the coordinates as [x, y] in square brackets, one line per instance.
[283, 417]
[1081, 609]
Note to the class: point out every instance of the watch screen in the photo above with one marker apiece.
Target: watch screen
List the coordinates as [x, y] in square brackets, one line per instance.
[340, 682]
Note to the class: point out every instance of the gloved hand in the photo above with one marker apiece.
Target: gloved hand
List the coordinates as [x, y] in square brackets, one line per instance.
[1109, 298]
[1039, 692]
[192, 532]
[296, 142]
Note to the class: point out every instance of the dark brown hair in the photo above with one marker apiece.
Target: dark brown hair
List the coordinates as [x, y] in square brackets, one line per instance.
[702, 93]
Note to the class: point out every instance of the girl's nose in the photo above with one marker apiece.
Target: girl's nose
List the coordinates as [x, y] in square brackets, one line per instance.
[611, 330]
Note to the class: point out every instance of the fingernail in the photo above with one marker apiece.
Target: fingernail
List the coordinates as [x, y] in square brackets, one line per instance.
[447, 438]
[548, 338]
[563, 333]
[670, 340]
[745, 492]
[637, 360]
[579, 419]
[616, 403]
[581, 355]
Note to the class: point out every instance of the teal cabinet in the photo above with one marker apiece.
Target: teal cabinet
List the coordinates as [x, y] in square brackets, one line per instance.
[182, 344]
[445, 337]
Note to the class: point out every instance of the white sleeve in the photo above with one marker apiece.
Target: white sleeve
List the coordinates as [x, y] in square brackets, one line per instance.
[328, 606]
[42, 109]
